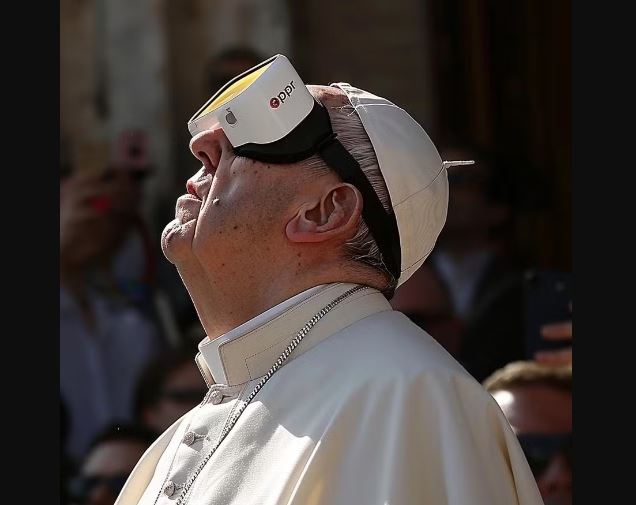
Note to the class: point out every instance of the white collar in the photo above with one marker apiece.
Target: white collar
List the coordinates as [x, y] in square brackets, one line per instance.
[249, 350]
[210, 349]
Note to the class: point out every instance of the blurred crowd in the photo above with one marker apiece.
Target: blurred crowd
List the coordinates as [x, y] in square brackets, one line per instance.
[128, 341]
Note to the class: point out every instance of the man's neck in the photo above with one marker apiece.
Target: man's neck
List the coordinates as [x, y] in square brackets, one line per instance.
[243, 307]
[222, 306]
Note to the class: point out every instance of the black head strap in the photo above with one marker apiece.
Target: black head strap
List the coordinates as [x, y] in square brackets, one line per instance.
[382, 224]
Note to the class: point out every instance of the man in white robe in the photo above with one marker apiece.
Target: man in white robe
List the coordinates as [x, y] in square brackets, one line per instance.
[320, 393]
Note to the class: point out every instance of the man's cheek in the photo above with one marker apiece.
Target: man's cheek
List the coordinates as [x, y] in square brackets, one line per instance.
[211, 228]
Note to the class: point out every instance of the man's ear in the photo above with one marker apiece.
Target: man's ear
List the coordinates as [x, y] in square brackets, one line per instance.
[336, 214]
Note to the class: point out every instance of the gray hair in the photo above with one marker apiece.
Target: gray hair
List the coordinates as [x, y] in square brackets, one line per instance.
[362, 248]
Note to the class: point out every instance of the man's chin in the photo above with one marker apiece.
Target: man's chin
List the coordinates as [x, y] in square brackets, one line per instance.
[176, 241]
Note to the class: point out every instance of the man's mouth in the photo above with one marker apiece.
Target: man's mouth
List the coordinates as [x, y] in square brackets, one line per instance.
[187, 208]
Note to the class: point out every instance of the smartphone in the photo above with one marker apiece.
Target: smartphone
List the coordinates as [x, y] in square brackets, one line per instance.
[548, 297]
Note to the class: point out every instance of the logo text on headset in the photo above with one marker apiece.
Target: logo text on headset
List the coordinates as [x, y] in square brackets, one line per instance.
[275, 102]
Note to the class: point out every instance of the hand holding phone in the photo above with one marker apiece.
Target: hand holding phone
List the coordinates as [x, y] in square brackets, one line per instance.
[548, 316]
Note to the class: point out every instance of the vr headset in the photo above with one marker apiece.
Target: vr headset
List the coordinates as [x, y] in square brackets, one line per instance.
[269, 115]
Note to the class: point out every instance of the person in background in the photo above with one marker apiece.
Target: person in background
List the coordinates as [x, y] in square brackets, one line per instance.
[473, 272]
[424, 298]
[134, 264]
[170, 386]
[112, 456]
[105, 337]
[537, 401]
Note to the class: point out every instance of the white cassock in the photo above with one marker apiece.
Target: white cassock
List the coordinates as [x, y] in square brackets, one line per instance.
[368, 409]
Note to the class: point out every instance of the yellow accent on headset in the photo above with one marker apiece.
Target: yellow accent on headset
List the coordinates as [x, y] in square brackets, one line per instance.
[233, 90]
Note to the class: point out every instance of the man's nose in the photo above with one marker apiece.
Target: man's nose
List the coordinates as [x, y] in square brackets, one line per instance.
[208, 146]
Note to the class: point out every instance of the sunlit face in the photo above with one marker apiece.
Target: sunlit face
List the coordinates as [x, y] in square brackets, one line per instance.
[234, 212]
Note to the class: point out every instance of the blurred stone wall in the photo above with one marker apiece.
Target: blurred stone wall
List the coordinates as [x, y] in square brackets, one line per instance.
[377, 45]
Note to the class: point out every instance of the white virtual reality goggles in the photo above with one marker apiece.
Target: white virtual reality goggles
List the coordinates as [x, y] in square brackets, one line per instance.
[261, 112]
[269, 115]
